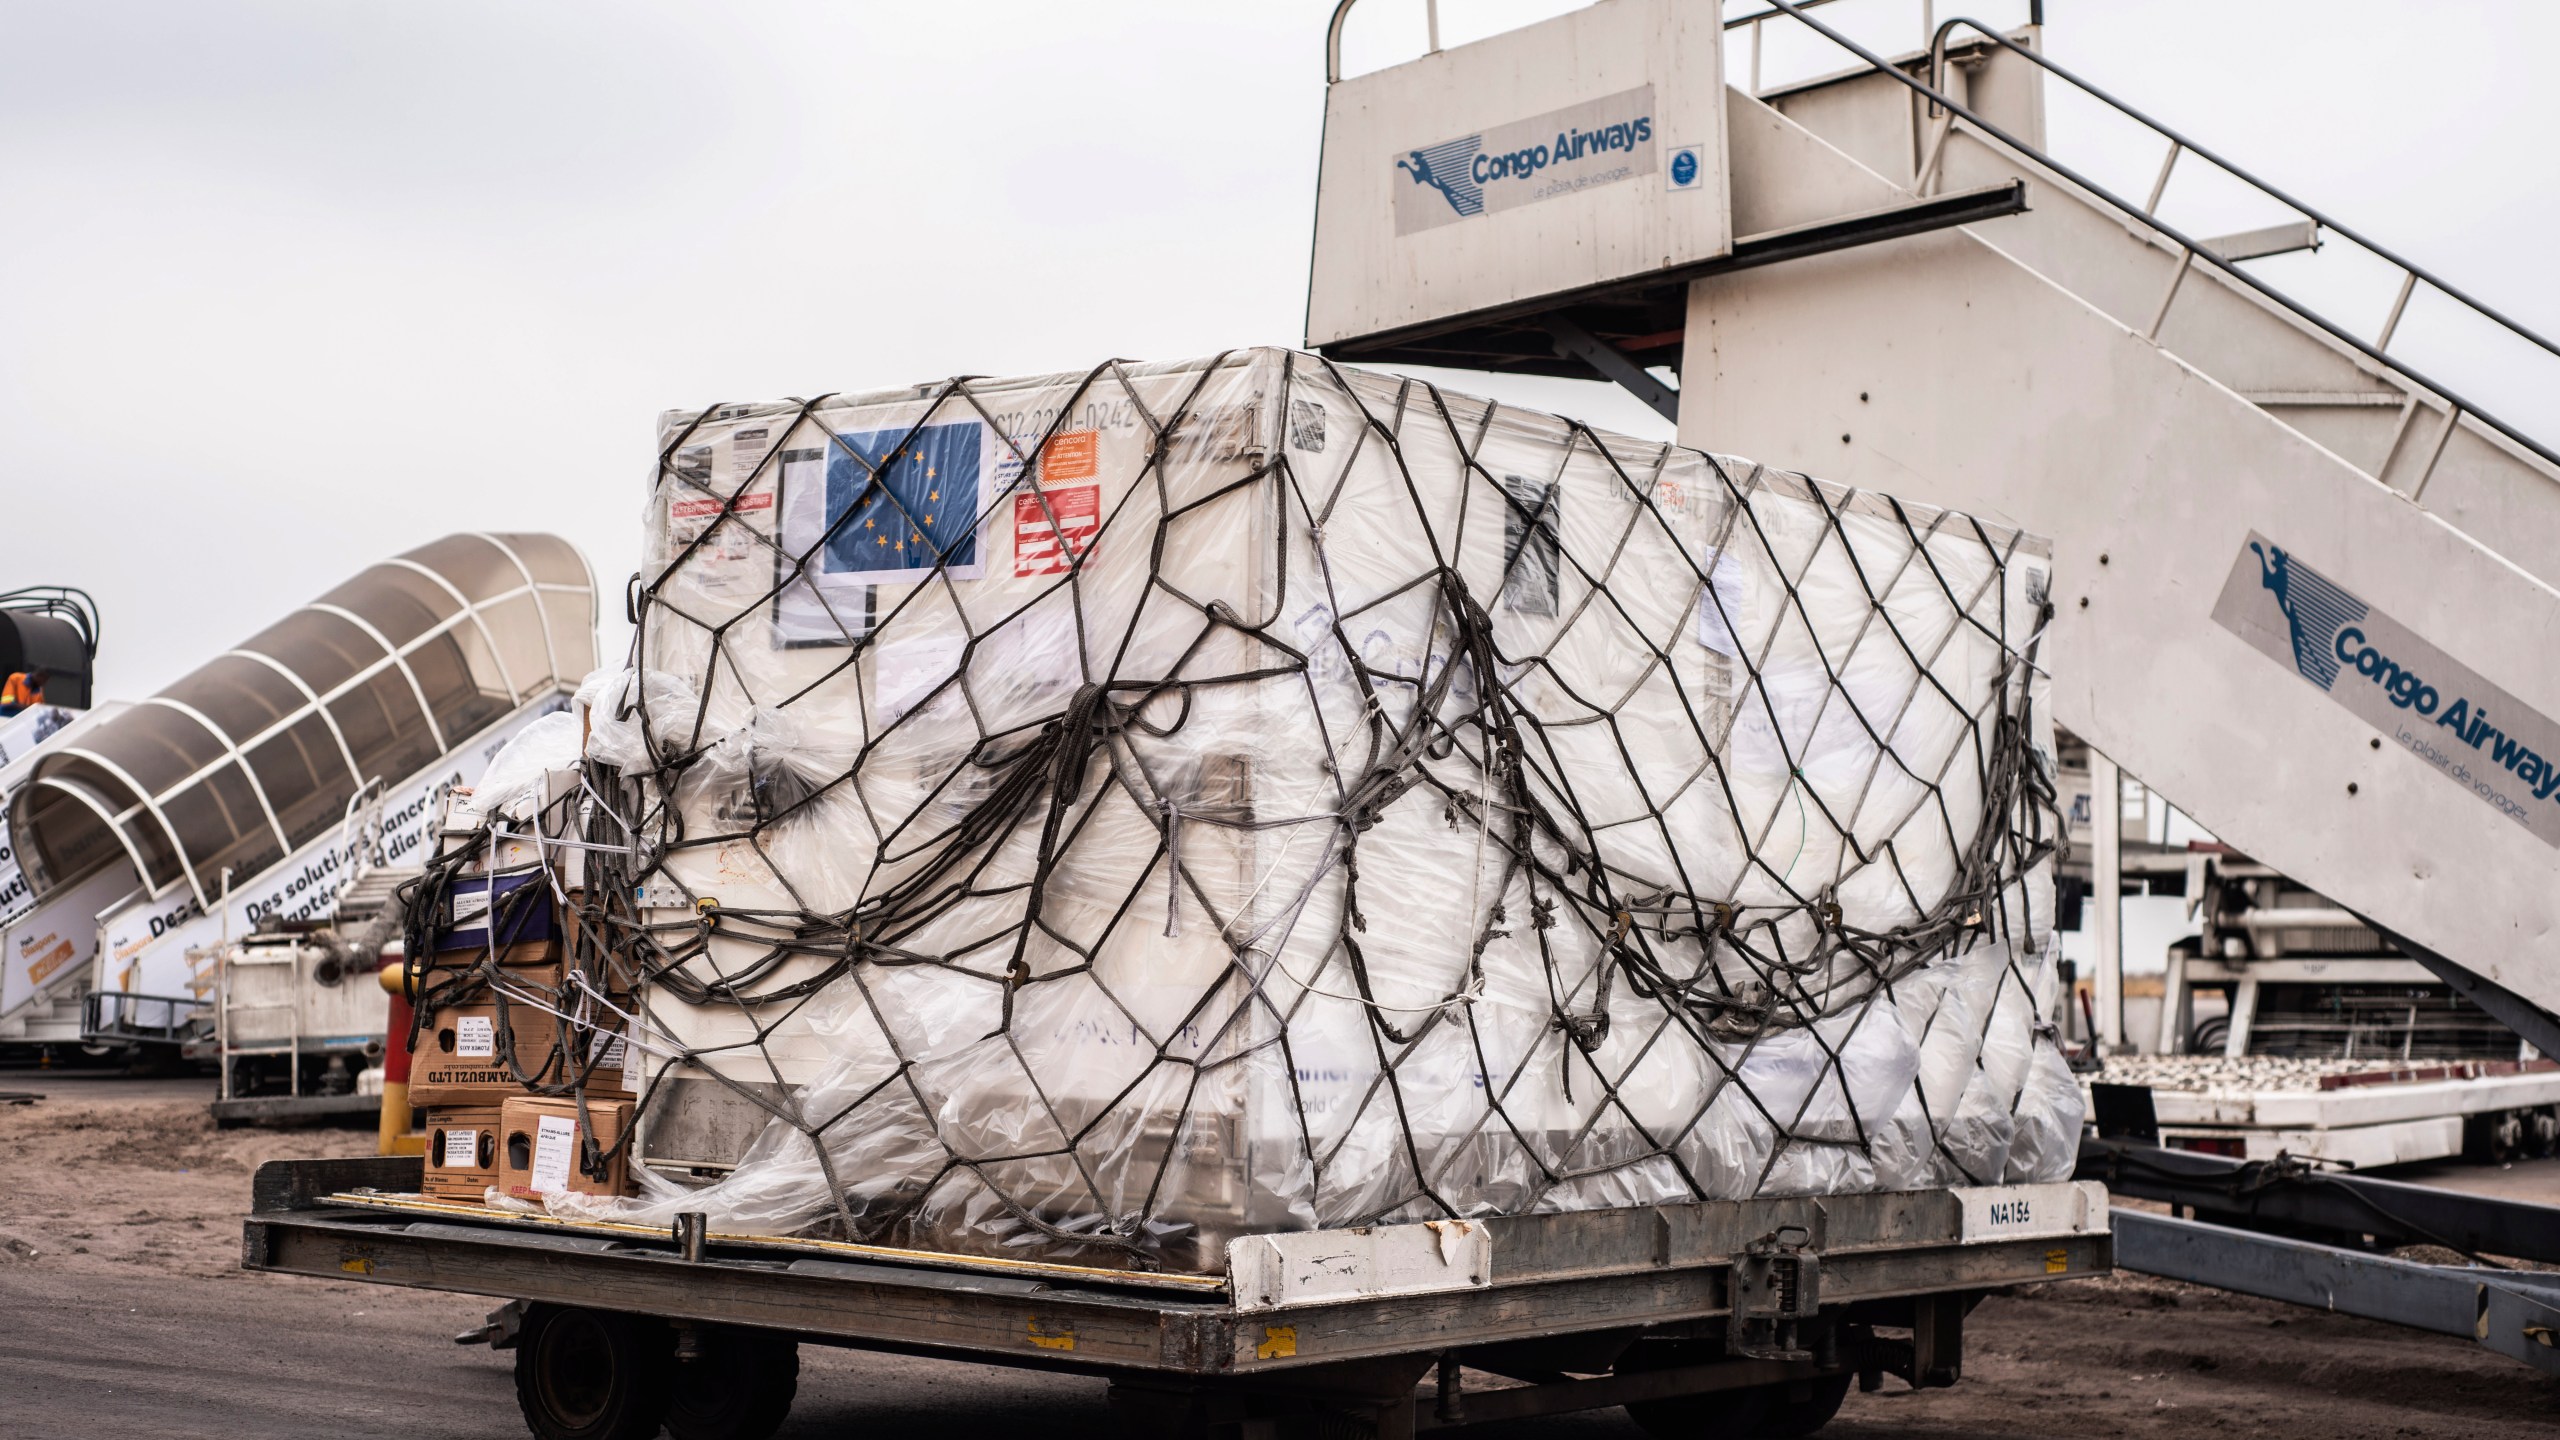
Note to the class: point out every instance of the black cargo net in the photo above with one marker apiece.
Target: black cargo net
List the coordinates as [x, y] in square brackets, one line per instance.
[1478, 742]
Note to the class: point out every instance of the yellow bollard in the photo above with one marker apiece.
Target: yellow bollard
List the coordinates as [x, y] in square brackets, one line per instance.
[393, 1136]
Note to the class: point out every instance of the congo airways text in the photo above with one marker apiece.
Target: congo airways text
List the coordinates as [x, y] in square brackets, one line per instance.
[2470, 723]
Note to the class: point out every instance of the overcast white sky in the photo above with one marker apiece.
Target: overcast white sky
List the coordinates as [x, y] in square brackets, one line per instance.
[289, 287]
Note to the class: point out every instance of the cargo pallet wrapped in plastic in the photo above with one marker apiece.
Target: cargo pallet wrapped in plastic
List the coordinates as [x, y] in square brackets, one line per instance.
[1093, 817]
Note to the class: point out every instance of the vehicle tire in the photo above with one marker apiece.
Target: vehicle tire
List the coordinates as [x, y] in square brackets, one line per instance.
[1790, 1418]
[591, 1374]
[1715, 1415]
[2492, 1137]
[2210, 1036]
[739, 1388]
[2542, 1132]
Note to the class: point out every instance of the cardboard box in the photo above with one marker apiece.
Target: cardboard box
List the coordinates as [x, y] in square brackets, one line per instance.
[613, 1068]
[522, 956]
[584, 949]
[536, 963]
[540, 960]
[541, 1149]
[526, 909]
[457, 1060]
[462, 1151]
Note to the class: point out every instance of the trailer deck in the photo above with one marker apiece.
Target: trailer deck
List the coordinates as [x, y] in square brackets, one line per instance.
[1362, 1312]
[2358, 1113]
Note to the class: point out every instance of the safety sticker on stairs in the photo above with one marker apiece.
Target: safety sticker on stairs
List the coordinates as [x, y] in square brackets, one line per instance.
[2472, 732]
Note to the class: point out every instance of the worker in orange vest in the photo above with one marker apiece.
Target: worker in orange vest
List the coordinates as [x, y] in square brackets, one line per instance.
[24, 690]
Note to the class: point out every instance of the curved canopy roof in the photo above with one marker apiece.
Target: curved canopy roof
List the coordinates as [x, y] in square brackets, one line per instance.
[261, 750]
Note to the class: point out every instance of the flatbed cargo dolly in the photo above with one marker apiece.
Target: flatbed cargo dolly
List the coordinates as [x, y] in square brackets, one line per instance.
[1713, 1318]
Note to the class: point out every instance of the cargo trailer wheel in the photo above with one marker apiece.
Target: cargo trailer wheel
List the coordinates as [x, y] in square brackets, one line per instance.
[1715, 1415]
[1803, 1407]
[739, 1387]
[590, 1374]
[2210, 1036]
[2542, 1132]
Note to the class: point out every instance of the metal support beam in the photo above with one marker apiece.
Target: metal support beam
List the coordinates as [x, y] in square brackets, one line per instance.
[2514, 1313]
[2294, 1197]
[1613, 364]
[2177, 1005]
[2243, 1014]
[2285, 239]
[2106, 890]
[1566, 1396]
[1937, 1340]
[2535, 1024]
[1500, 338]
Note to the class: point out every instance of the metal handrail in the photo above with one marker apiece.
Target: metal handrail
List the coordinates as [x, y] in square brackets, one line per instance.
[2457, 406]
[2035, 13]
[1431, 12]
[2178, 142]
[67, 603]
[1333, 42]
[177, 1016]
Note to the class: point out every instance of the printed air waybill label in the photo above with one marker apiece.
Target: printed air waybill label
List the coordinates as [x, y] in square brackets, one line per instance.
[607, 1052]
[475, 1037]
[555, 1140]
[461, 1150]
[2470, 731]
[469, 905]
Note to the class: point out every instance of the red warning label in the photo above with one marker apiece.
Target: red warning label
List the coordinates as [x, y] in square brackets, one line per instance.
[701, 505]
[1043, 548]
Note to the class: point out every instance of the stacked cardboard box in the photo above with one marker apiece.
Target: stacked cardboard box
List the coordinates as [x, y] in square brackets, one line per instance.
[519, 1046]
[538, 1151]
[462, 1151]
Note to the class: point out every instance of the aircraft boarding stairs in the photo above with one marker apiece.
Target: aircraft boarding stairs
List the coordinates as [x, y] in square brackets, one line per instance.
[250, 791]
[2253, 505]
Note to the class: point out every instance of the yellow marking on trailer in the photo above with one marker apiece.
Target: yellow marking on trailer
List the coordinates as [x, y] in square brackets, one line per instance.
[1279, 1342]
[2056, 1261]
[1061, 1337]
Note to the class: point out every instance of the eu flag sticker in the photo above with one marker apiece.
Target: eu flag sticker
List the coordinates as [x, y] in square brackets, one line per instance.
[902, 502]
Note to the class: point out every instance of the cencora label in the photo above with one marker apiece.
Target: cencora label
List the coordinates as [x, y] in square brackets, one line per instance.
[1598, 142]
[2470, 731]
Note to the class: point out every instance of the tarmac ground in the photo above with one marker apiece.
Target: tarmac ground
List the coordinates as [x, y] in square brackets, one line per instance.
[123, 1313]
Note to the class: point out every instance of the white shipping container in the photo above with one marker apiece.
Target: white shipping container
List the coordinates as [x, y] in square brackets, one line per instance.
[1096, 816]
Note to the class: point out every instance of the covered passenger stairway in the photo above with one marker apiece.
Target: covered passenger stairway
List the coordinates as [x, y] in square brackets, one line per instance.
[244, 792]
[2293, 570]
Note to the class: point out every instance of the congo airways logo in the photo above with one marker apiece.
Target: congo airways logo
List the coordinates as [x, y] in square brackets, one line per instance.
[2430, 704]
[1563, 152]
[2314, 610]
[1449, 167]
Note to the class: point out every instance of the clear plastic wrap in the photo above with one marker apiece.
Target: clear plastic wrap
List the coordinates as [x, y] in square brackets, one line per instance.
[514, 786]
[1097, 816]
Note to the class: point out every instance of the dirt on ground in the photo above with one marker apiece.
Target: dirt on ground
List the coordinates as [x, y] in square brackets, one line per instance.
[123, 1312]
[95, 1183]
